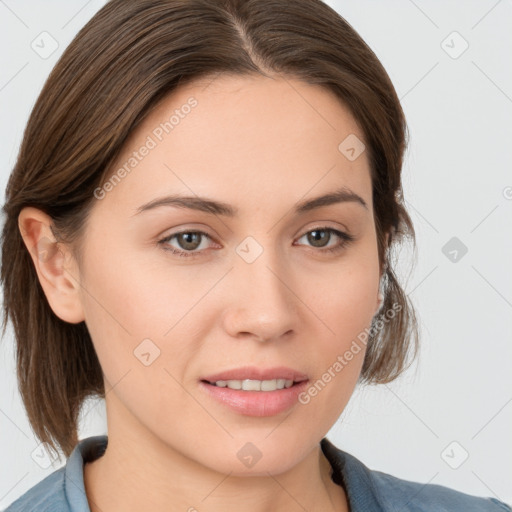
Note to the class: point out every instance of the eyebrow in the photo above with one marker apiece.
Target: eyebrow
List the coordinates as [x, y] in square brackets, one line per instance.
[342, 195]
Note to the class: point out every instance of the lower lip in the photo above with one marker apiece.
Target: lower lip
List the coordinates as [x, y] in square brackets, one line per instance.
[256, 403]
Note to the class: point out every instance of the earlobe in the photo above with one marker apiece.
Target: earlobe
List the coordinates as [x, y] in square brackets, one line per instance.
[54, 264]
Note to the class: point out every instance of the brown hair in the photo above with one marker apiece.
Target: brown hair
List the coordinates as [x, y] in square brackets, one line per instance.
[126, 59]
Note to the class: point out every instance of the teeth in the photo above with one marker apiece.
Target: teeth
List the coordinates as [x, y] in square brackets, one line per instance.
[255, 385]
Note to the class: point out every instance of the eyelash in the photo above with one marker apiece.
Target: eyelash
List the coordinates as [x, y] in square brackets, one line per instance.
[345, 237]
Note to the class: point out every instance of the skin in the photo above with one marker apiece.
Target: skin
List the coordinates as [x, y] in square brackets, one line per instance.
[261, 145]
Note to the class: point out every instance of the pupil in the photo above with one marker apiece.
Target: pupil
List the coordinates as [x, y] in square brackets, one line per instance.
[316, 236]
[187, 237]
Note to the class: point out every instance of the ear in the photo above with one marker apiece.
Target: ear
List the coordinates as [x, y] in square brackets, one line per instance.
[55, 265]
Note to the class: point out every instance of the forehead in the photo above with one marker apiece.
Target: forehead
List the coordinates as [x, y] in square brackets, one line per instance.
[241, 135]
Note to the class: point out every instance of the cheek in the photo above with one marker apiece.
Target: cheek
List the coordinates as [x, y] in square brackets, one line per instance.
[345, 303]
[143, 319]
[344, 298]
[137, 323]
[127, 313]
[126, 293]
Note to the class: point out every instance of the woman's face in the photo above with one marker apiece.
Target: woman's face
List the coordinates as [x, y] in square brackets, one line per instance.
[260, 288]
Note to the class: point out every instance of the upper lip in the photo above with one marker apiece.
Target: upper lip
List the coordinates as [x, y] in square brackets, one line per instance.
[255, 373]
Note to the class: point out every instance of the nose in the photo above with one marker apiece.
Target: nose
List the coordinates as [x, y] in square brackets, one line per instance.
[262, 302]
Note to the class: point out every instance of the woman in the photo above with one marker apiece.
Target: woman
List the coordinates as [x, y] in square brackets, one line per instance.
[198, 229]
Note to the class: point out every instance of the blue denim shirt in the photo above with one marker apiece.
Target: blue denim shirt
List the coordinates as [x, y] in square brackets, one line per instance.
[367, 490]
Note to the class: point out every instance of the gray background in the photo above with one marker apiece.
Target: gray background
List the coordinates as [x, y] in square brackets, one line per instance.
[457, 401]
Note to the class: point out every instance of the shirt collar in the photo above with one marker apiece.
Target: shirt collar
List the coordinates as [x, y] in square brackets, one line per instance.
[87, 450]
[354, 477]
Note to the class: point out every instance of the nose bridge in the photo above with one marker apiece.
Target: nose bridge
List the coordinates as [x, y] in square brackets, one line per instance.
[263, 304]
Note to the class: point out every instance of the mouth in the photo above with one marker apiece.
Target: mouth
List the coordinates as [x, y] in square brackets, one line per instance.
[255, 385]
[255, 390]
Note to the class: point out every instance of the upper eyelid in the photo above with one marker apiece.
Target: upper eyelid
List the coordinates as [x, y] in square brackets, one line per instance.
[193, 230]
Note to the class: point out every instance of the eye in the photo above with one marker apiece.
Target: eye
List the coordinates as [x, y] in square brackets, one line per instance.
[322, 235]
[189, 242]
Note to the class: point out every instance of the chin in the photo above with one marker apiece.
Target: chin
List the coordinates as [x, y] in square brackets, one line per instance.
[260, 456]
